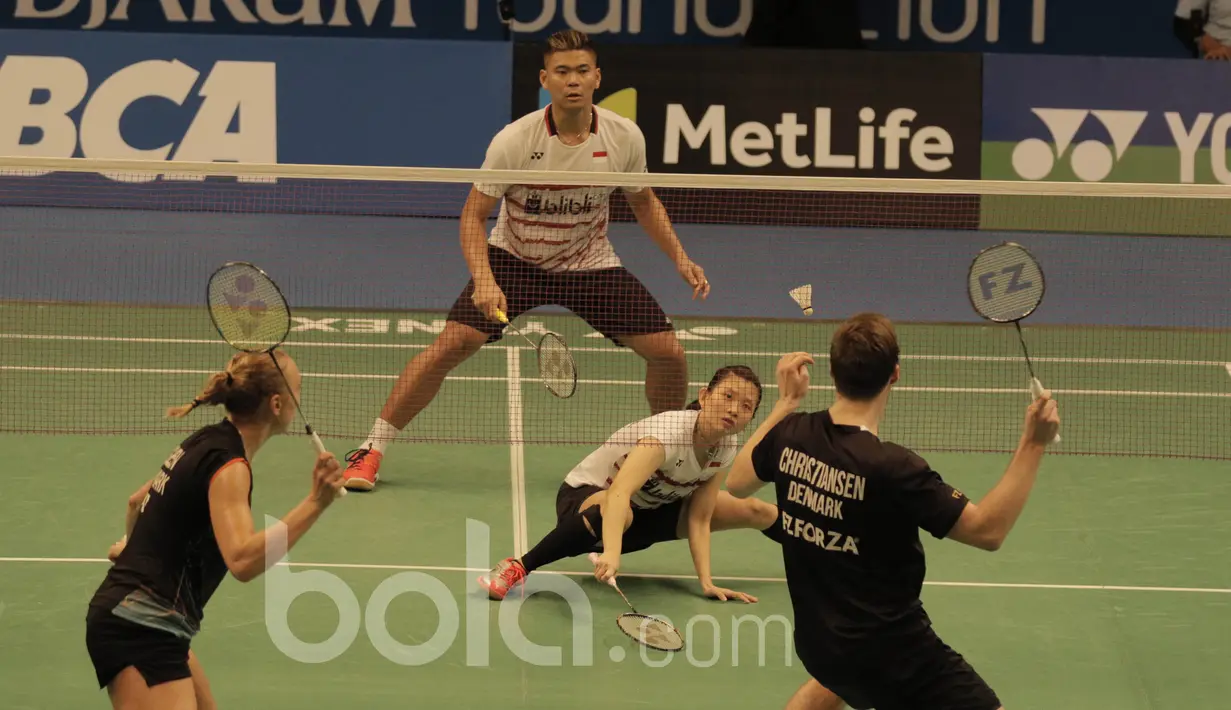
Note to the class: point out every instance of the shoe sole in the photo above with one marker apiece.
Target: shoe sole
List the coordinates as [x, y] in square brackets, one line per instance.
[486, 583]
[359, 484]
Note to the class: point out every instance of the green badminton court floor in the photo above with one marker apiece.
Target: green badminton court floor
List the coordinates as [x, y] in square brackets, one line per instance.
[1113, 591]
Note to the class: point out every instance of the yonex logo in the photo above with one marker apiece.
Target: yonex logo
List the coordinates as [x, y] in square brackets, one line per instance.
[1091, 160]
[536, 156]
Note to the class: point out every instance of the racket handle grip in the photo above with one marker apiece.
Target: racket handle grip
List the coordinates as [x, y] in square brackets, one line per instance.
[593, 557]
[500, 316]
[320, 449]
[316, 440]
[1036, 389]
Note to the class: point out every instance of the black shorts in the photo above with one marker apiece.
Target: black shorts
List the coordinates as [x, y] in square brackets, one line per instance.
[919, 672]
[650, 526]
[115, 644]
[612, 301]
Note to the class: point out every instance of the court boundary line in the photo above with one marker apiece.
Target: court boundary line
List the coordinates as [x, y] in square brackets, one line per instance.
[516, 352]
[517, 453]
[583, 349]
[777, 580]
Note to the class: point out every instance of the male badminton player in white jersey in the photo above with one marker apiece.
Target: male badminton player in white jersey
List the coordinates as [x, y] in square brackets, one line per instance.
[549, 247]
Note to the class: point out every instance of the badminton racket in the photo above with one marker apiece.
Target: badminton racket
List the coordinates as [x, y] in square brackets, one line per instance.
[645, 629]
[1006, 284]
[251, 314]
[557, 369]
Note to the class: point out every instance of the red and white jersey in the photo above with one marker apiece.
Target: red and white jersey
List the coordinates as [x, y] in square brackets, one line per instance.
[680, 474]
[555, 227]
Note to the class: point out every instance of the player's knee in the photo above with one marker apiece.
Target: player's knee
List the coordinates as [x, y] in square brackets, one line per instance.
[458, 342]
[673, 351]
[764, 514]
[660, 348]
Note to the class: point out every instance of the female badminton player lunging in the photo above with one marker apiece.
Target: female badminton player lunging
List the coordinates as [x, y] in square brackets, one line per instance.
[186, 528]
[655, 480]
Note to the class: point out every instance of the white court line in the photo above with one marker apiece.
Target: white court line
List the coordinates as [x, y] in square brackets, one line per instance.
[691, 352]
[517, 455]
[778, 580]
[636, 383]
[1229, 368]
[197, 341]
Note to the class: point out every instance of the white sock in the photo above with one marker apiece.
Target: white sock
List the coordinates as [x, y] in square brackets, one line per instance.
[382, 434]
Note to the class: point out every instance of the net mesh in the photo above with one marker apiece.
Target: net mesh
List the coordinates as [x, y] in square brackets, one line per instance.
[102, 324]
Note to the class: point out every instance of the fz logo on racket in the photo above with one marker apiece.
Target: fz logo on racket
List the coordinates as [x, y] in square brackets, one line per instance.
[987, 280]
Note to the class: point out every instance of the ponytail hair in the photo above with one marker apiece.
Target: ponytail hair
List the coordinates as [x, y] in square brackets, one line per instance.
[248, 381]
[741, 371]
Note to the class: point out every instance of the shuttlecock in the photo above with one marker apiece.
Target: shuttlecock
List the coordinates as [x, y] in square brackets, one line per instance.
[803, 296]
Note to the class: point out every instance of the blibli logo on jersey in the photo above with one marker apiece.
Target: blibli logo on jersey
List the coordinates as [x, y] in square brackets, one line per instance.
[537, 205]
[235, 119]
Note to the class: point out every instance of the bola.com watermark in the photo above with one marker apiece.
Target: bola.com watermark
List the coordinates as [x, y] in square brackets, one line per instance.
[752, 639]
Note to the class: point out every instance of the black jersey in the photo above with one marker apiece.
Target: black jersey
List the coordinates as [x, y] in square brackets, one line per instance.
[852, 507]
[171, 565]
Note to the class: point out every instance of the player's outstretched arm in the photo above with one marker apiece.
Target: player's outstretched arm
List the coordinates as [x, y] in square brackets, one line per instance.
[131, 513]
[135, 503]
[642, 462]
[700, 517]
[987, 525]
[249, 553]
[793, 381]
[653, 218]
[700, 513]
[487, 295]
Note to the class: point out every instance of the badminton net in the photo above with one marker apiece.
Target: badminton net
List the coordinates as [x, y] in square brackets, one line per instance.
[102, 325]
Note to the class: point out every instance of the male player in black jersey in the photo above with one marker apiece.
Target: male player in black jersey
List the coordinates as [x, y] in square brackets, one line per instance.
[852, 506]
[185, 529]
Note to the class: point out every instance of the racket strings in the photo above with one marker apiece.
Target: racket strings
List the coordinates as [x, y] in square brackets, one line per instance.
[1005, 283]
[557, 368]
[651, 632]
[248, 309]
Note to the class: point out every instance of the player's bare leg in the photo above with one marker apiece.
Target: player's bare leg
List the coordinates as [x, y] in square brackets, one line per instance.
[572, 536]
[423, 376]
[666, 369]
[128, 691]
[731, 513]
[418, 384]
[200, 684]
[814, 696]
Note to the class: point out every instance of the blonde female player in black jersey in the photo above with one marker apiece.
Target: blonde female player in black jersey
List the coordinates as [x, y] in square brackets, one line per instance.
[185, 529]
[655, 480]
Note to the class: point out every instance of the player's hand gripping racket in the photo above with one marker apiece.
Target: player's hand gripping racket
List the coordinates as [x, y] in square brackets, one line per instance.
[252, 315]
[642, 628]
[557, 369]
[1006, 284]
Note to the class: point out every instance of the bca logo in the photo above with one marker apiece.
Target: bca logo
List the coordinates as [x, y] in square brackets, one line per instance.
[1091, 160]
[235, 119]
